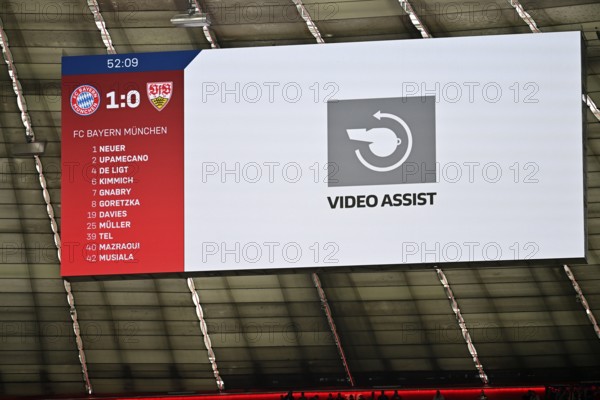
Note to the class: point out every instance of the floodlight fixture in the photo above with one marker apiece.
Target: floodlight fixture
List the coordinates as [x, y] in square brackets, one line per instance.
[192, 19]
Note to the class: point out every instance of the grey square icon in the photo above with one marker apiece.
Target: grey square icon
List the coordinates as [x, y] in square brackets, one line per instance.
[385, 141]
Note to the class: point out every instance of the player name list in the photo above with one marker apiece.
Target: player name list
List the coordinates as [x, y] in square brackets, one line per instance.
[122, 173]
[116, 215]
[113, 200]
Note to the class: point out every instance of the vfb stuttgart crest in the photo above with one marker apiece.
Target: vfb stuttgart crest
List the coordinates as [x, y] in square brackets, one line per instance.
[85, 100]
[159, 93]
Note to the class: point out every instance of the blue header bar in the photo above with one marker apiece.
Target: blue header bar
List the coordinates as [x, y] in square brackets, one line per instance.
[132, 62]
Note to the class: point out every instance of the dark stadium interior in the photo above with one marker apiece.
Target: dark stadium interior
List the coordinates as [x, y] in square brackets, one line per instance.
[268, 329]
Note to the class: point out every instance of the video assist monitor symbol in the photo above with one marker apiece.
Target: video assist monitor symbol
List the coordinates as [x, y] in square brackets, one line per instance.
[381, 141]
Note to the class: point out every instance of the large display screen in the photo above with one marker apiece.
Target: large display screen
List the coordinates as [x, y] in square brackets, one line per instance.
[396, 152]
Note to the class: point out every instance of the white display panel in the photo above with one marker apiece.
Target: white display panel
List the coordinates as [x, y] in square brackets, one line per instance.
[499, 118]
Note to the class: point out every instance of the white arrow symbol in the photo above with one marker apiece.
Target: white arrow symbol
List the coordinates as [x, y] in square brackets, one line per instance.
[396, 118]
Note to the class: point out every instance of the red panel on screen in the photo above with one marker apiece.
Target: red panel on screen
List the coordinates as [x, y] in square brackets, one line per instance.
[122, 178]
[410, 394]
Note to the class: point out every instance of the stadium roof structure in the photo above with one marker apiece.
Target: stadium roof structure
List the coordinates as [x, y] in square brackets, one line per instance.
[394, 326]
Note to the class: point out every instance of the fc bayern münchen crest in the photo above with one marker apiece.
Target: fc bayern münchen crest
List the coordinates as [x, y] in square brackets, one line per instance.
[159, 93]
[85, 100]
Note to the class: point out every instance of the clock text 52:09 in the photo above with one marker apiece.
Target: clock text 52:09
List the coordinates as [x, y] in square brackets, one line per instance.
[116, 63]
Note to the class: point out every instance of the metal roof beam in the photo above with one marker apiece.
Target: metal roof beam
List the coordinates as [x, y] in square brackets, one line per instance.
[208, 33]
[582, 299]
[312, 27]
[207, 342]
[78, 340]
[463, 325]
[414, 18]
[99, 20]
[332, 327]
